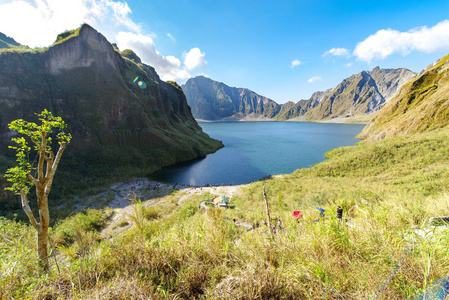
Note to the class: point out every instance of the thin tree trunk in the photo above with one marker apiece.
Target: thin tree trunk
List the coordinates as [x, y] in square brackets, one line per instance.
[42, 249]
[42, 236]
[268, 211]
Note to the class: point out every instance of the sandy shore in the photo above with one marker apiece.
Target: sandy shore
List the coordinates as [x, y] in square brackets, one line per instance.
[119, 197]
[120, 194]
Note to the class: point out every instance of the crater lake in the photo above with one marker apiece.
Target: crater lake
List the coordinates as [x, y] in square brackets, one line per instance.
[254, 150]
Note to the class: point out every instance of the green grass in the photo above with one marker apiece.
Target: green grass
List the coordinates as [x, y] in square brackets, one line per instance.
[386, 188]
[62, 37]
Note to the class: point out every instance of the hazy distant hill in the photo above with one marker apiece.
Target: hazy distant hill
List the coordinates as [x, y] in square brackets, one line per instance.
[422, 104]
[213, 100]
[118, 110]
[358, 95]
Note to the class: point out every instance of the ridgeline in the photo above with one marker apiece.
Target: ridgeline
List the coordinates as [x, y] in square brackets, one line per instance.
[356, 99]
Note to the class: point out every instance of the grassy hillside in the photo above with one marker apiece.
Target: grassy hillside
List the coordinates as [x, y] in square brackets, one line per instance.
[172, 250]
[422, 104]
[8, 42]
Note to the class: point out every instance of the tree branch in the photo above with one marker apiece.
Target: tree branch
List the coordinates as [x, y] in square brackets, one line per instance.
[32, 179]
[40, 166]
[49, 179]
[27, 209]
[35, 142]
[50, 157]
[49, 161]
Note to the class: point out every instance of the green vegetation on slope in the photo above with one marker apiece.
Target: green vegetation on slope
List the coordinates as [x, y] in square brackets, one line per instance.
[386, 188]
[62, 37]
[8, 42]
[422, 104]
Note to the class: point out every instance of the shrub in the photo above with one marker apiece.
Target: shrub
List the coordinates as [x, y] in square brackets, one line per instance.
[66, 231]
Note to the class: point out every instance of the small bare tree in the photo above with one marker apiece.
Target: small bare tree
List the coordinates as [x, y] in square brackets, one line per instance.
[268, 210]
[25, 174]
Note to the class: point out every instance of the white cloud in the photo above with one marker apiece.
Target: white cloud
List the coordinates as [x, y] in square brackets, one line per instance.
[48, 18]
[348, 65]
[337, 52]
[44, 17]
[194, 59]
[295, 63]
[112, 18]
[168, 67]
[315, 78]
[386, 42]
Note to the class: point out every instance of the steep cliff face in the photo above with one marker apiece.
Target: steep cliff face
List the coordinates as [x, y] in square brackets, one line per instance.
[388, 81]
[212, 100]
[108, 100]
[360, 94]
[421, 104]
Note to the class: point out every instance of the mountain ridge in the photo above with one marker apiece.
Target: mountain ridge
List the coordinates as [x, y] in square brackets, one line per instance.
[422, 104]
[217, 101]
[357, 95]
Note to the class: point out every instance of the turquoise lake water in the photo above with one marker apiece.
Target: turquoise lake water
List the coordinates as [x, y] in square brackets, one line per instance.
[254, 150]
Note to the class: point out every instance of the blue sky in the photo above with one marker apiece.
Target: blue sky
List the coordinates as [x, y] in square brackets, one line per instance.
[282, 49]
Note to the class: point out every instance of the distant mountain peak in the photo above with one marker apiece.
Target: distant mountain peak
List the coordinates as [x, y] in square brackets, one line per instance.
[359, 94]
[213, 100]
[420, 105]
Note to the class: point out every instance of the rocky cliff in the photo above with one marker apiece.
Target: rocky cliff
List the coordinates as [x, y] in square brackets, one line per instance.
[118, 110]
[212, 100]
[358, 95]
[297, 111]
[421, 104]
